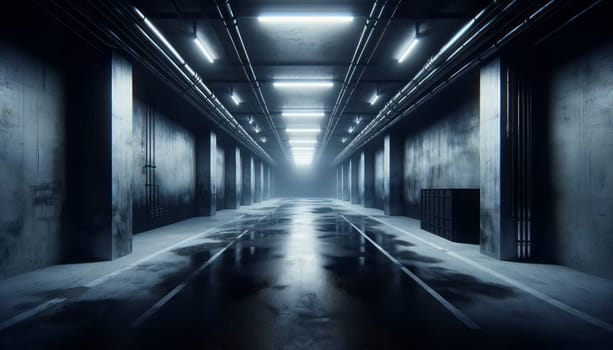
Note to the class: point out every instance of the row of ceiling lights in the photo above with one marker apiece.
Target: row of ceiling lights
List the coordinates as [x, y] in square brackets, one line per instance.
[303, 155]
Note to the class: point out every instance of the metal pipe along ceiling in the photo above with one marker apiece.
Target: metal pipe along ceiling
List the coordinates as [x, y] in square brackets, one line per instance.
[231, 25]
[124, 26]
[477, 41]
[379, 10]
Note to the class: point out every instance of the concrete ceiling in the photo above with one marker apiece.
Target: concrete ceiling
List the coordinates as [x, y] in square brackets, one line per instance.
[305, 51]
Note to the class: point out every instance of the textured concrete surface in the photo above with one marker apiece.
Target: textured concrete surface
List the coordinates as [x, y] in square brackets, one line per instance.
[248, 175]
[206, 173]
[307, 273]
[393, 174]
[581, 158]
[494, 240]
[32, 160]
[121, 156]
[220, 175]
[379, 194]
[367, 177]
[175, 169]
[354, 184]
[233, 178]
[441, 148]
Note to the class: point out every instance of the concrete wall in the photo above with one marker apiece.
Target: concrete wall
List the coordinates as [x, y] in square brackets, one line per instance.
[32, 117]
[175, 172]
[220, 177]
[379, 191]
[580, 148]
[442, 148]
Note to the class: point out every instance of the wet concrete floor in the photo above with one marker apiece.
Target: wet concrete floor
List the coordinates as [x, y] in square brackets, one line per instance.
[298, 277]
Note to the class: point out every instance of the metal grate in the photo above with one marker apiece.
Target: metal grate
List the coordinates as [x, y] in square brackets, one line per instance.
[519, 131]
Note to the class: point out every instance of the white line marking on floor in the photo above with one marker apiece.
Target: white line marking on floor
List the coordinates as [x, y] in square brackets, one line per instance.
[29, 313]
[549, 300]
[457, 313]
[104, 278]
[160, 303]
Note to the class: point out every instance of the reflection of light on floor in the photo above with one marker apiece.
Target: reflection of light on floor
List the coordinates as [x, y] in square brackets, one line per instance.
[301, 249]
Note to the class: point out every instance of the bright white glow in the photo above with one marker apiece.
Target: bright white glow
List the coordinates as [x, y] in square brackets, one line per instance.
[305, 130]
[303, 114]
[302, 142]
[344, 139]
[257, 129]
[293, 84]
[350, 130]
[263, 139]
[408, 50]
[206, 52]
[235, 99]
[305, 148]
[163, 40]
[358, 120]
[251, 120]
[305, 19]
[373, 99]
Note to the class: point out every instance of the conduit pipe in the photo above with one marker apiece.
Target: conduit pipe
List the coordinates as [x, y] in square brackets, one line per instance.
[380, 10]
[125, 26]
[477, 41]
[231, 25]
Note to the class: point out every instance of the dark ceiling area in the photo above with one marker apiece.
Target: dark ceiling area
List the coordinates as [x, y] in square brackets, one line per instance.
[248, 64]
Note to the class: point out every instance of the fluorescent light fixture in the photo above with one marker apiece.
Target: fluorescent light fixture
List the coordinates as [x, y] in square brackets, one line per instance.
[358, 120]
[297, 84]
[251, 121]
[305, 130]
[305, 19]
[235, 99]
[303, 114]
[408, 50]
[305, 148]
[351, 129]
[373, 99]
[206, 52]
[302, 142]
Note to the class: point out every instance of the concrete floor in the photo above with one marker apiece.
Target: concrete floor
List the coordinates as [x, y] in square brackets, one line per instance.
[304, 274]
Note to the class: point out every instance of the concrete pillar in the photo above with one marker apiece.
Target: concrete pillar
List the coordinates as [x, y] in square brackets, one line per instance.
[345, 181]
[258, 181]
[232, 173]
[496, 225]
[354, 188]
[267, 183]
[248, 179]
[367, 176]
[206, 173]
[392, 174]
[99, 181]
[339, 188]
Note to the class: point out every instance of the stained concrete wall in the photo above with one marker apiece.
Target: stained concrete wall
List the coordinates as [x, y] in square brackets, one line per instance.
[220, 176]
[441, 149]
[379, 190]
[32, 117]
[175, 169]
[578, 130]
